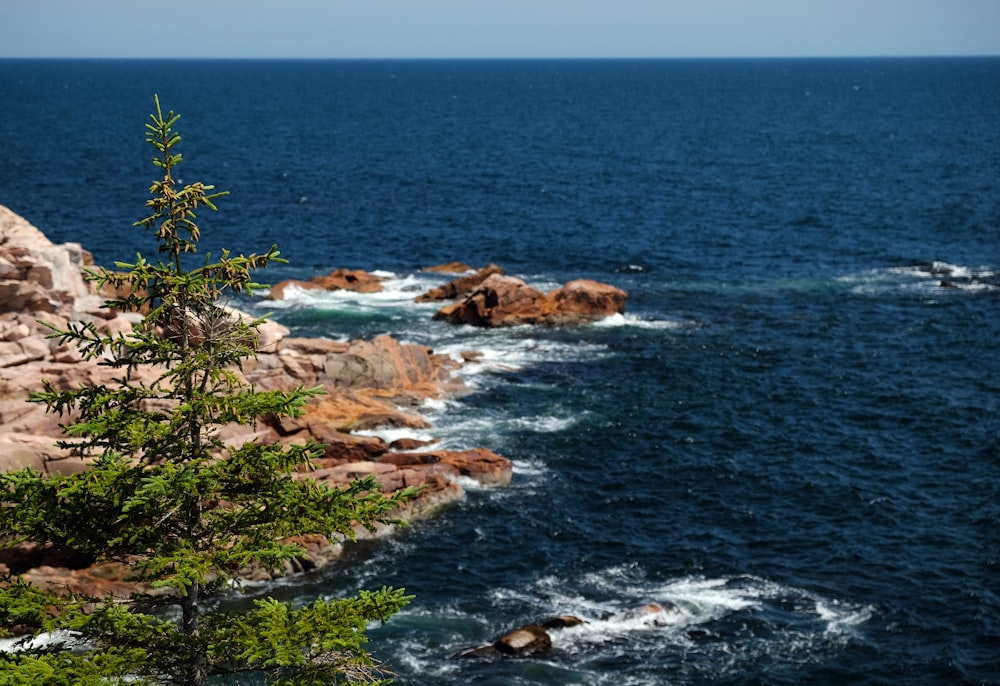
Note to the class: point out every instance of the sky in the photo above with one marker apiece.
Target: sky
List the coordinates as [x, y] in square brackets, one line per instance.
[497, 28]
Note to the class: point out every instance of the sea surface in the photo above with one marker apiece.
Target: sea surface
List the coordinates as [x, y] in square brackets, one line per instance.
[791, 439]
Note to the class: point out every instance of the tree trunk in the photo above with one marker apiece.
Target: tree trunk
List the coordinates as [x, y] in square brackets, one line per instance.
[195, 669]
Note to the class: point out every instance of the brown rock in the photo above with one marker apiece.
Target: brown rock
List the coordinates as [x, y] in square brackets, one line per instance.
[562, 621]
[385, 364]
[449, 268]
[527, 640]
[480, 464]
[507, 301]
[462, 286]
[410, 444]
[346, 473]
[97, 581]
[587, 299]
[497, 301]
[346, 410]
[355, 280]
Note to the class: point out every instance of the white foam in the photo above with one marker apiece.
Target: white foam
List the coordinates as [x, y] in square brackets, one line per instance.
[544, 425]
[711, 598]
[390, 434]
[619, 604]
[631, 320]
[925, 278]
[471, 485]
[840, 619]
[459, 431]
[396, 291]
[529, 468]
[504, 350]
[438, 405]
[15, 645]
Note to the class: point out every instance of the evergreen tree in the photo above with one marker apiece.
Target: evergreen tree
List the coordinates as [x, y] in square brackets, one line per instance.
[166, 495]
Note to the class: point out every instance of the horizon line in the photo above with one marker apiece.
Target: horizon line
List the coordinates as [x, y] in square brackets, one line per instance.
[511, 58]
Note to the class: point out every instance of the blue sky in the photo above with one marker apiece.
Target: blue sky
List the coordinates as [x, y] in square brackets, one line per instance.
[497, 28]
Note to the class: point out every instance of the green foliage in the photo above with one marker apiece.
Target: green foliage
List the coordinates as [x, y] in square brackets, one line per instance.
[166, 496]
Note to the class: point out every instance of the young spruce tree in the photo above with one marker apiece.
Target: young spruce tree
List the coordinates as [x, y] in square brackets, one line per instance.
[164, 493]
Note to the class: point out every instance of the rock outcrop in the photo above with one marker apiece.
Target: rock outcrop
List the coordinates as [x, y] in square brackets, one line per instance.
[369, 384]
[461, 286]
[355, 280]
[501, 300]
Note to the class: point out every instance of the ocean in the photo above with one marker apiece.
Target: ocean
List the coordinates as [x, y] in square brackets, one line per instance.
[791, 438]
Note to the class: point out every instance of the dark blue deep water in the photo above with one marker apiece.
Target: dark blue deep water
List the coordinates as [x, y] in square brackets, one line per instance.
[792, 435]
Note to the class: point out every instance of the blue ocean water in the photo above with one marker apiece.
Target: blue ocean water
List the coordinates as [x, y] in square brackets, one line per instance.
[791, 436]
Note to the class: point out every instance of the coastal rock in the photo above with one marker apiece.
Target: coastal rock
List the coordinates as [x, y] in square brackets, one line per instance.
[508, 301]
[384, 364]
[525, 641]
[356, 280]
[449, 268]
[35, 274]
[479, 464]
[461, 286]
[586, 299]
[369, 385]
[409, 444]
[498, 301]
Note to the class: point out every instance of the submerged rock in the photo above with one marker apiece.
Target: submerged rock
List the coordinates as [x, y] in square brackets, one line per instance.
[534, 639]
[525, 641]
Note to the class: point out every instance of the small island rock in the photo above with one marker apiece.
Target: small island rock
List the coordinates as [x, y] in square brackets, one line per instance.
[508, 301]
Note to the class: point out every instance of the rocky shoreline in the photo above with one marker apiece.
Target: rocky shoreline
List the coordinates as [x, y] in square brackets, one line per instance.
[369, 384]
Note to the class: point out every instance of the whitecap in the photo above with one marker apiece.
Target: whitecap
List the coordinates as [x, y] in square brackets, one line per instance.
[397, 291]
[631, 320]
[622, 607]
[935, 277]
[438, 406]
[529, 469]
[543, 424]
[840, 618]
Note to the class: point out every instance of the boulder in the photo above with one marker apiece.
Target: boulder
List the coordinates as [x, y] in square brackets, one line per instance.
[525, 641]
[355, 280]
[508, 301]
[498, 301]
[586, 299]
[461, 286]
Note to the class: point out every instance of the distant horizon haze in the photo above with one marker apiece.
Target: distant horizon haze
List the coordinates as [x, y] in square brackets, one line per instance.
[489, 29]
